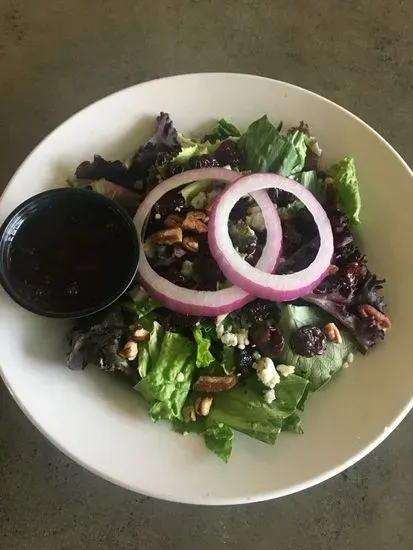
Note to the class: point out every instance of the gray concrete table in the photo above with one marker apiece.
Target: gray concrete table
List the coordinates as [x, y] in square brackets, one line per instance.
[57, 56]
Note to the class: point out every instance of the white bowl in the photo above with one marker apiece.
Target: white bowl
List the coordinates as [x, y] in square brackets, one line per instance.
[104, 426]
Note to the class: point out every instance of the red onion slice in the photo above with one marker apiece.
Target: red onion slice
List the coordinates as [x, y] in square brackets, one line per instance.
[279, 288]
[195, 302]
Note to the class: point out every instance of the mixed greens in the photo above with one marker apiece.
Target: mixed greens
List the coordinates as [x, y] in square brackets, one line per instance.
[250, 370]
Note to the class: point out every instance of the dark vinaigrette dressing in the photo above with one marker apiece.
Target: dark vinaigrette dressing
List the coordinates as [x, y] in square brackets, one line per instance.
[71, 256]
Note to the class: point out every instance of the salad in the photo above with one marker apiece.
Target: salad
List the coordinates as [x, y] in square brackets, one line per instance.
[252, 291]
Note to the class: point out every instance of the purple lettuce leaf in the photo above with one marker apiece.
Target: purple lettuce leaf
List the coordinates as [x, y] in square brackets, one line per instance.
[345, 248]
[113, 171]
[341, 294]
[164, 141]
[351, 286]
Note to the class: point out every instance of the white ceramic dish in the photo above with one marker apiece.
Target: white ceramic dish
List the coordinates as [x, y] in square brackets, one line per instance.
[104, 426]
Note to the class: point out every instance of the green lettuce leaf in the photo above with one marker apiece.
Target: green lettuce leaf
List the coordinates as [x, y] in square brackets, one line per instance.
[224, 129]
[303, 400]
[188, 192]
[266, 150]
[204, 356]
[149, 350]
[318, 369]
[310, 181]
[244, 410]
[218, 438]
[289, 392]
[143, 307]
[243, 237]
[292, 424]
[346, 183]
[182, 427]
[191, 147]
[228, 359]
[168, 382]
[298, 140]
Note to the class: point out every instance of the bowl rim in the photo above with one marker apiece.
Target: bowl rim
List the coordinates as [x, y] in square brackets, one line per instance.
[59, 194]
[268, 495]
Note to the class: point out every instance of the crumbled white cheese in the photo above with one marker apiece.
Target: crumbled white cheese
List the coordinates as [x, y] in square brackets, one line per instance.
[157, 216]
[267, 372]
[242, 337]
[345, 365]
[255, 219]
[285, 370]
[180, 377]
[256, 356]
[187, 269]
[269, 396]
[234, 339]
[200, 201]
[229, 339]
[350, 358]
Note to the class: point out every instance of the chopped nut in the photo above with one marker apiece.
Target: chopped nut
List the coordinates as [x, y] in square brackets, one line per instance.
[190, 244]
[212, 384]
[166, 236]
[140, 334]
[189, 414]
[130, 350]
[203, 405]
[332, 333]
[194, 221]
[173, 221]
[381, 321]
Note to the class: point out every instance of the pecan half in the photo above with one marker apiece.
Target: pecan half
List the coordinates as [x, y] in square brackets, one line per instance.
[190, 244]
[195, 221]
[203, 405]
[173, 221]
[130, 350]
[381, 321]
[140, 334]
[166, 236]
[332, 333]
[212, 384]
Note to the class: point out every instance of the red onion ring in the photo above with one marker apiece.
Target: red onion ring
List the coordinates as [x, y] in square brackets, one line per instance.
[195, 302]
[278, 288]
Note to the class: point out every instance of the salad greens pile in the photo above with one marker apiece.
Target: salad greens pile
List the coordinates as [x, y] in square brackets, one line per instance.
[252, 370]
